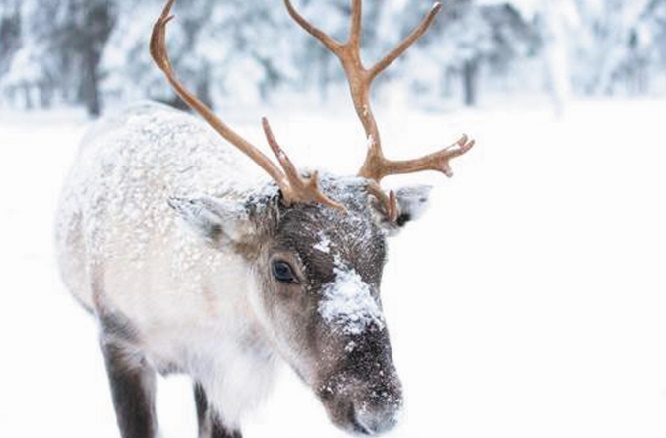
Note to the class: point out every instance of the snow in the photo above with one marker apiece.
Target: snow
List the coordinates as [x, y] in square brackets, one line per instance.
[324, 244]
[529, 300]
[348, 304]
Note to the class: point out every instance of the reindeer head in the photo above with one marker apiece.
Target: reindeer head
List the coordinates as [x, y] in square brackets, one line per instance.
[318, 245]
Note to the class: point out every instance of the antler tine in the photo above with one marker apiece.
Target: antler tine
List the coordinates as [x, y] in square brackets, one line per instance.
[438, 161]
[293, 187]
[329, 42]
[304, 189]
[356, 26]
[405, 44]
[389, 201]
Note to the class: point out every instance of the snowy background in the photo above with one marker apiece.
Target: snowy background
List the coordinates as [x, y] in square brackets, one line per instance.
[529, 302]
[92, 53]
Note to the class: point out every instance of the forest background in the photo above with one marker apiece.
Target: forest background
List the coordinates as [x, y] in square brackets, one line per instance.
[92, 53]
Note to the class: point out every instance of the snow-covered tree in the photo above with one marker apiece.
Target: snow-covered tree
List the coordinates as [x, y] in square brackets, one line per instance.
[10, 36]
[60, 48]
[653, 29]
[234, 50]
[557, 21]
[10, 31]
[470, 37]
[610, 46]
[81, 32]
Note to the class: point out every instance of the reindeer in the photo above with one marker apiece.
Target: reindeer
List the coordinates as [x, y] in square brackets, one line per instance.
[192, 265]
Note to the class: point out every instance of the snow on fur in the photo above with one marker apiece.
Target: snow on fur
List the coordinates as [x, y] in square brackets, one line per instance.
[348, 303]
[324, 244]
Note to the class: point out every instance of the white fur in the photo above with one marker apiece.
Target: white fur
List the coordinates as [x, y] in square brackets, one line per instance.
[119, 245]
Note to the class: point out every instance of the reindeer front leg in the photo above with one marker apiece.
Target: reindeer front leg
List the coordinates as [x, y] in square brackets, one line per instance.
[210, 425]
[132, 383]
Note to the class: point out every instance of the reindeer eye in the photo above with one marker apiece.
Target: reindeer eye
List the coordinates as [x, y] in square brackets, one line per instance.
[283, 272]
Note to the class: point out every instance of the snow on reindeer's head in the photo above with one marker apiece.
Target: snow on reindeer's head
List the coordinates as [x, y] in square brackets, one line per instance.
[319, 246]
[319, 271]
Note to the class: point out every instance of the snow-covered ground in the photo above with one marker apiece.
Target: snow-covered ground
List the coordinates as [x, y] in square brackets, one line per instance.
[529, 302]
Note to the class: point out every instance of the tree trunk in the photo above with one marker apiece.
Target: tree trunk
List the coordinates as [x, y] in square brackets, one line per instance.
[28, 97]
[45, 95]
[90, 85]
[470, 81]
[100, 17]
[203, 86]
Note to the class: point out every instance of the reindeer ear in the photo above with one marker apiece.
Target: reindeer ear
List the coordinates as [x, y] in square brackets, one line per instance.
[412, 202]
[215, 220]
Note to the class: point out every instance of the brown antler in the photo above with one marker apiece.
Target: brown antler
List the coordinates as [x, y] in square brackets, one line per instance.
[360, 79]
[294, 187]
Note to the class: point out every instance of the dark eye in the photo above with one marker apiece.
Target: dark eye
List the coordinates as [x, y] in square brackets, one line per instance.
[283, 272]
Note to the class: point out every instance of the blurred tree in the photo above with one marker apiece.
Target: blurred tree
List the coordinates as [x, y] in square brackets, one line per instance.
[10, 31]
[10, 35]
[61, 48]
[82, 35]
[231, 49]
[653, 30]
[556, 21]
[470, 36]
[612, 49]
[25, 79]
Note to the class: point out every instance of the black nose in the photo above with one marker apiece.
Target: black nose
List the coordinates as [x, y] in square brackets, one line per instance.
[374, 420]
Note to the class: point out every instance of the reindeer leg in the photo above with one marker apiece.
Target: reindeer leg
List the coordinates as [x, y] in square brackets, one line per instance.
[210, 425]
[132, 383]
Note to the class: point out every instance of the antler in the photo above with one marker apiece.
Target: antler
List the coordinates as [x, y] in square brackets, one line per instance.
[294, 187]
[360, 79]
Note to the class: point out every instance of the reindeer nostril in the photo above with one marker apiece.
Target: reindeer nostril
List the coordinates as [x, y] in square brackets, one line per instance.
[372, 421]
[359, 425]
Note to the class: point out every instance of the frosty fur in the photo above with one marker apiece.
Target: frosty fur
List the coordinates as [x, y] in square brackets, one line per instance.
[168, 238]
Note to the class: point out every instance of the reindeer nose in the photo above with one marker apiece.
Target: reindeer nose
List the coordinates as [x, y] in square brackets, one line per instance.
[363, 406]
[377, 411]
[375, 420]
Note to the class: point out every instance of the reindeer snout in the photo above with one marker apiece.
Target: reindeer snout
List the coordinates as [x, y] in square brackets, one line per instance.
[374, 419]
[377, 406]
[367, 406]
